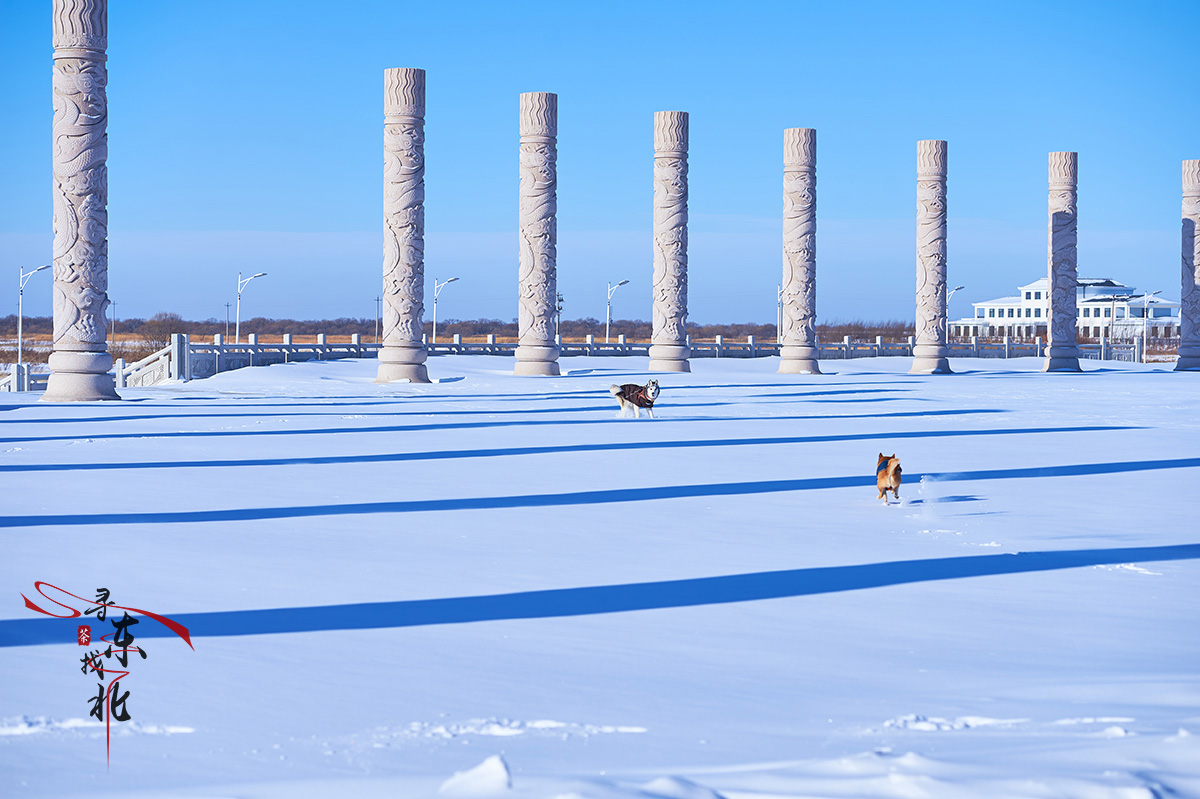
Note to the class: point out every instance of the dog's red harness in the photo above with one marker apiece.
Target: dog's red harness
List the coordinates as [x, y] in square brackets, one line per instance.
[636, 394]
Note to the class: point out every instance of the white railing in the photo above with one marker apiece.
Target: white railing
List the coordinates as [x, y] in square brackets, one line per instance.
[205, 360]
[22, 378]
[183, 360]
[149, 371]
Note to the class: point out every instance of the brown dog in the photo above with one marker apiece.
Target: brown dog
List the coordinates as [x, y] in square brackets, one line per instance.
[887, 476]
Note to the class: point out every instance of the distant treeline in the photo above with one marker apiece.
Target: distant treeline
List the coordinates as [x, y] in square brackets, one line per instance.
[158, 328]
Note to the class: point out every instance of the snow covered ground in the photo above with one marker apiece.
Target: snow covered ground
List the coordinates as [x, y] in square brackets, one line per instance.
[494, 577]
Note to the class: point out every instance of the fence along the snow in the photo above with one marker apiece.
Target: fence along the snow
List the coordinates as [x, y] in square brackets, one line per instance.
[183, 360]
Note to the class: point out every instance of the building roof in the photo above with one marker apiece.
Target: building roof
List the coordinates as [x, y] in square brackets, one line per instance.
[1095, 282]
[1123, 294]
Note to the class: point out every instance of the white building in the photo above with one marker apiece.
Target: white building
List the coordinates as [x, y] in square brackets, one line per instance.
[1103, 307]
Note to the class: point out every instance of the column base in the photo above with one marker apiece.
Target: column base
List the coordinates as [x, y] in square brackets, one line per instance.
[661, 365]
[536, 361]
[669, 358]
[799, 366]
[930, 358]
[412, 372]
[397, 362]
[930, 366]
[1189, 358]
[80, 377]
[1062, 358]
[1067, 364]
[798, 361]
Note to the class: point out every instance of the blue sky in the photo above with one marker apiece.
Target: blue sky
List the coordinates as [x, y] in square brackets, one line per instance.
[248, 135]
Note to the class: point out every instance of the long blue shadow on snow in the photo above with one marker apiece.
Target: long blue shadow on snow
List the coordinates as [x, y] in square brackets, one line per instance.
[598, 497]
[593, 600]
[410, 428]
[395, 457]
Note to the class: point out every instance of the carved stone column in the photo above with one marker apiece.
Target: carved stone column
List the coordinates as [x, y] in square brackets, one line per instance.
[669, 351]
[799, 352]
[403, 354]
[79, 362]
[930, 353]
[537, 354]
[1189, 297]
[1062, 354]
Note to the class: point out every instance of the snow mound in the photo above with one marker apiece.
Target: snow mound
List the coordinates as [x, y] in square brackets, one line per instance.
[506, 728]
[913, 721]
[26, 725]
[1127, 567]
[489, 779]
[679, 788]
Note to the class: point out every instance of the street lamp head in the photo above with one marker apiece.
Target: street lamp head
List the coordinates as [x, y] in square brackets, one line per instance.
[958, 288]
[623, 282]
[40, 268]
[451, 280]
[260, 274]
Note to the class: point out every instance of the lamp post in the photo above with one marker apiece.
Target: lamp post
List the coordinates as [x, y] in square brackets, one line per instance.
[1145, 315]
[437, 289]
[20, 308]
[558, 315]
[948, 296]
[779, 314]
[237, 326]
[608, 307]
[378, 311]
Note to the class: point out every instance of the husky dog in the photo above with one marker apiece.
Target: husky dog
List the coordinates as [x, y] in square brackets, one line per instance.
[887, 476]
[631, 395]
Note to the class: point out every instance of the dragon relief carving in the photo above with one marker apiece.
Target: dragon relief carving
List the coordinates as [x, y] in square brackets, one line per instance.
[79, 153]
[1063, 267]
[404, 233]
[537, 271]
[1190, 268]
[669, 315]
[799, 250]
[931, 262]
